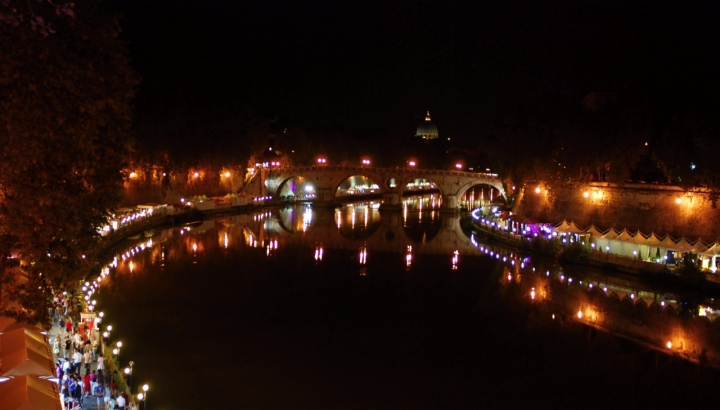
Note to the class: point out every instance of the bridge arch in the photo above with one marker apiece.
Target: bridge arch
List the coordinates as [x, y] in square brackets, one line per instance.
[468, 198]
[402, 186]
[374, 184]
[288, 185]
[494, 184]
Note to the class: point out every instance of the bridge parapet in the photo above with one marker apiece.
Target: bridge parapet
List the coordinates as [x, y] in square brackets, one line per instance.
[392, 182]
[397, 170]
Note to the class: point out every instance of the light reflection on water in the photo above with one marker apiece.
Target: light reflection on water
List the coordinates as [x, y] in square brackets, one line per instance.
[362, 226]
[358, 240]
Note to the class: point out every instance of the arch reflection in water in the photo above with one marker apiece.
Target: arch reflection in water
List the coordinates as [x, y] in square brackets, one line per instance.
[408, 257]
[358, 220]
[296, 218]
[420, 214]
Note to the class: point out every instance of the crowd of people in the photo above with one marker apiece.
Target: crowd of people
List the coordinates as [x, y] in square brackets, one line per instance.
[75, 349]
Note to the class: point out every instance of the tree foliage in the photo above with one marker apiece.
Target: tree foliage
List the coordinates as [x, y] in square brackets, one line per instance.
[65, 105]
[637, 136]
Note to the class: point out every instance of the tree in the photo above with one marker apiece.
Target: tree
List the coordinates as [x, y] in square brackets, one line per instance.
[65, 105]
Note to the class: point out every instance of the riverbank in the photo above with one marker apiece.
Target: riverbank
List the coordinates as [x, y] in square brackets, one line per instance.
[595, 258]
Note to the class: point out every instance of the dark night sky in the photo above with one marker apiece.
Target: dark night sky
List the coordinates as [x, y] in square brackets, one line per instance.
[375, 66]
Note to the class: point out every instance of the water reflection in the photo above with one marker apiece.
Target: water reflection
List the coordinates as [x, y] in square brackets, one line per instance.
[420, 216]
[362, 226]
[302, 245]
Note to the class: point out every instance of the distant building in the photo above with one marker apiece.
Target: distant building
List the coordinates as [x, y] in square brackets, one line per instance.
[427, 130]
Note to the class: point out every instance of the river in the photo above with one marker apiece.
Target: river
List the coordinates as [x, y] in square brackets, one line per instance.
[357, 308]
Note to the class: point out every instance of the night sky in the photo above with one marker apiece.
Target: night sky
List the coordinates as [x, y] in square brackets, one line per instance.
[374, 67]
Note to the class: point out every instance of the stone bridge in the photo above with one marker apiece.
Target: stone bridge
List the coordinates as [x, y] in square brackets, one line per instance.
[392, 182]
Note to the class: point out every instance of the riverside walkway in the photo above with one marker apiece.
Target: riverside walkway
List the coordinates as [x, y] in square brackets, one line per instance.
[89, 402]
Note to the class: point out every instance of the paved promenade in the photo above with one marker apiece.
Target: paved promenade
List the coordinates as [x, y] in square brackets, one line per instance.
[89, 402]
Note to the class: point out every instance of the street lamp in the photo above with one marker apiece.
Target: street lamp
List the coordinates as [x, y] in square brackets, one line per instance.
[128, 373]
[145, 389]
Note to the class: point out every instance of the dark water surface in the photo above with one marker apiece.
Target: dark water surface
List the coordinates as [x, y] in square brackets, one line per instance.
[219, 316]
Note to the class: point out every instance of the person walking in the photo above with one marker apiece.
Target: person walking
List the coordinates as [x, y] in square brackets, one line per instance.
[108, 379]
[68, 346]
[120, 401]
[72, 386]
[100, 364]
[66, 367]
[56, 347]
[86, 385]
[77, 362]
[87, 359]
[99, 394]
[93, 380]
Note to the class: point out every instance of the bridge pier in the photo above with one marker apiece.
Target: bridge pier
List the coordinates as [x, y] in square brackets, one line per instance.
[324, 196]
[391, 201]
[449, 204]
[450, 223]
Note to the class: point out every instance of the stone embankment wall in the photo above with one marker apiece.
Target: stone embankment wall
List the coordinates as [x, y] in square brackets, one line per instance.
[662, 209]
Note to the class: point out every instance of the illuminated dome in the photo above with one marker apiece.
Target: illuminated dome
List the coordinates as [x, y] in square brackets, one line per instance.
[427, 130]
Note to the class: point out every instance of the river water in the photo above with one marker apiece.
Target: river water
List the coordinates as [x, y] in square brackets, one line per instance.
[356, 308]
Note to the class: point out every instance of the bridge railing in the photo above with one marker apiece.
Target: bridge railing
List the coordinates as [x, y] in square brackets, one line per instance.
[397, 169]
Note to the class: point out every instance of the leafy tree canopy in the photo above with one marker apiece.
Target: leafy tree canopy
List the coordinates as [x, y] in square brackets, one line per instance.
[636, 136]
[65, 105]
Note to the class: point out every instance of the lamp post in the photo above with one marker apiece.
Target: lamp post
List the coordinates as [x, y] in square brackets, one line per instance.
[104, 342]
[128, 373]
[145, 390]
